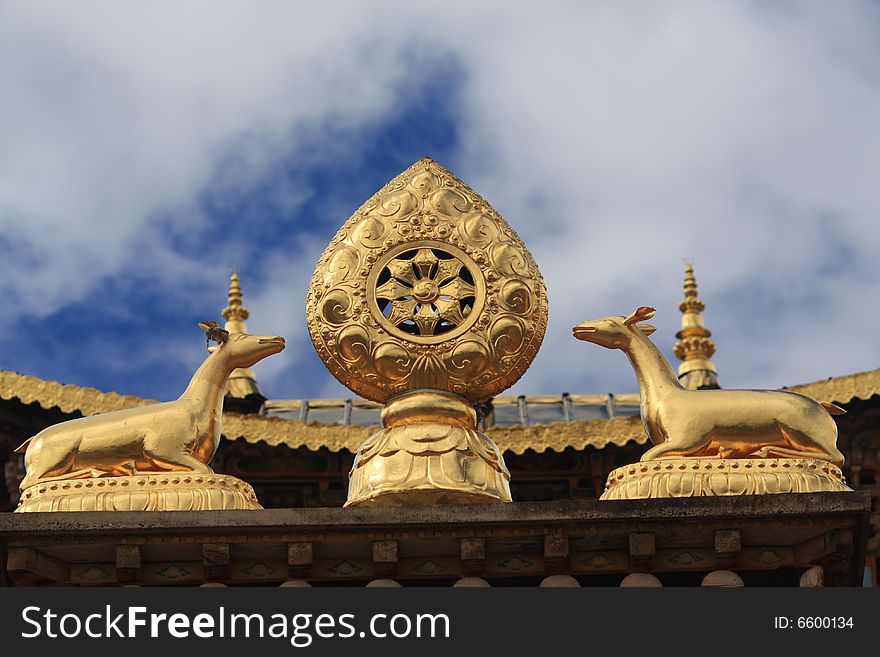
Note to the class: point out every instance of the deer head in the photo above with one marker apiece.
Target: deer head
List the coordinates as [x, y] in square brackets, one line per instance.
[241, 349]
[616, 332]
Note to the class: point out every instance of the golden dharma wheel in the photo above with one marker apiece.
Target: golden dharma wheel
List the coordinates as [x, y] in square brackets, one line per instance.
[426, 286]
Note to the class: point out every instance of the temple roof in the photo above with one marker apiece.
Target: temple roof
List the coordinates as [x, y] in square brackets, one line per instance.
[67, 397]
[538, 422]
[842, 389]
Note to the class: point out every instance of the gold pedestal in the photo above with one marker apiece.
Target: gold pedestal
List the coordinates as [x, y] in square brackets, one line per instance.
[695, 477]
[146, 492]
[429, 452]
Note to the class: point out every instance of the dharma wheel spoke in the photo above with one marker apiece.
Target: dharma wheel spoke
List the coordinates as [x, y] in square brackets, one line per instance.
[424, 262]
[426, 319]
[457, 289]
[402, 311]
[393, 289]
[450, 311]
[402, 270]
[446, 269]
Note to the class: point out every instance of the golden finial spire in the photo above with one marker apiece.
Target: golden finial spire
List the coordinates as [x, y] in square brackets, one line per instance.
[242, 388]
[694, 346]
[235, 313]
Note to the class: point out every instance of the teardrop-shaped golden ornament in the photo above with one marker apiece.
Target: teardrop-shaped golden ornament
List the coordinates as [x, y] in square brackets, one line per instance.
[426, 300]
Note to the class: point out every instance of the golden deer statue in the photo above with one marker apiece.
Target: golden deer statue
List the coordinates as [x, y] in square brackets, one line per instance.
[727, 424]
[180, 435]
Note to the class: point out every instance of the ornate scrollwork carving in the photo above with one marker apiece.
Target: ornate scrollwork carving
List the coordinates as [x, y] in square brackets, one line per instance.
[427, 286]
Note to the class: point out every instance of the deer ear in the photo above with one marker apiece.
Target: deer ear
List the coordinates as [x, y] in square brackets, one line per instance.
[647, 329]
[640, 314]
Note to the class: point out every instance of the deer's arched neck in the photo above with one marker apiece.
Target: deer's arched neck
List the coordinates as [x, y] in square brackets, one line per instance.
[208, 384]
[654, 373]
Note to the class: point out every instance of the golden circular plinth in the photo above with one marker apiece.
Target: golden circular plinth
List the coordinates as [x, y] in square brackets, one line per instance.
[146, 492]
[696, 477]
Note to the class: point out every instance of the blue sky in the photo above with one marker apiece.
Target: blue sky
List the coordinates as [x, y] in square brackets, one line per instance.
[146, 149]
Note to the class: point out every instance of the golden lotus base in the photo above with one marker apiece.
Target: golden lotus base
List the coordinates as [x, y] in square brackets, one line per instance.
[696, 477]
[429, 452]
[451, 478]
[146, 492]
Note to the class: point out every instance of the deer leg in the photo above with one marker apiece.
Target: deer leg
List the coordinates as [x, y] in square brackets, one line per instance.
[125, 469]
[772, 450]
[83, 473]
[796, 441]
[677, 449]
[180, 462]
[661, 451]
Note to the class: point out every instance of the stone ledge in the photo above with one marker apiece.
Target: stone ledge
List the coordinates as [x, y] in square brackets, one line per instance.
[785, 532]
[739, 507]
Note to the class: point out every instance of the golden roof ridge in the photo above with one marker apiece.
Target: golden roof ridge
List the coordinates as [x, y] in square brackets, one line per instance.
[556, 436]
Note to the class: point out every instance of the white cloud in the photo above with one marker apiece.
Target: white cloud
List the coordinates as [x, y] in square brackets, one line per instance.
[710, 130]
[616, 138]
[115, 114]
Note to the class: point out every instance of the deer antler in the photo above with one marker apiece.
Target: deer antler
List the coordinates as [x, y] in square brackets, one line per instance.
[640, 314]
[214, 332]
